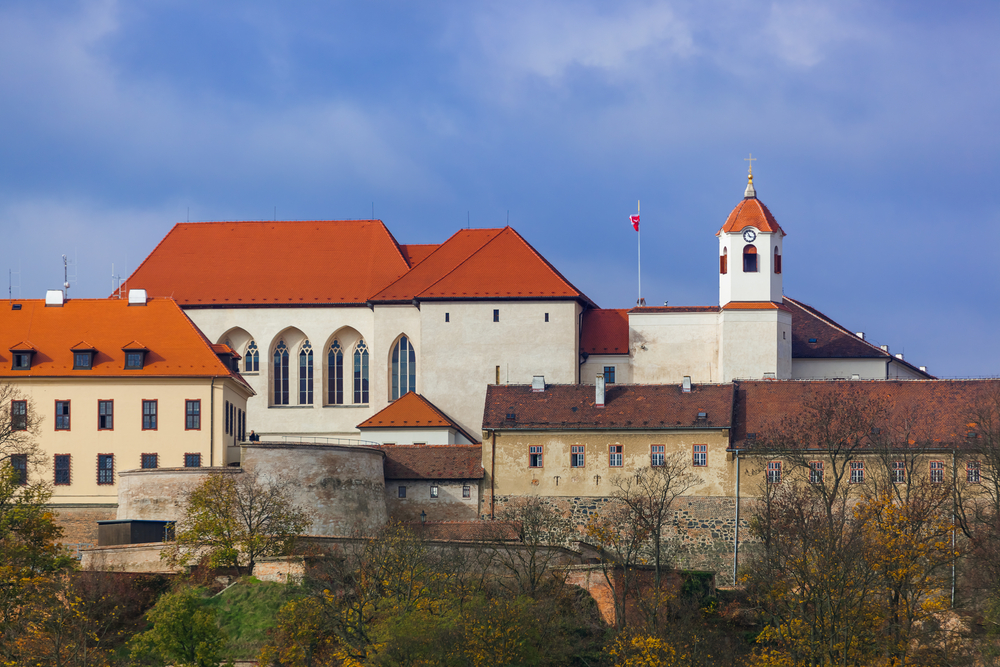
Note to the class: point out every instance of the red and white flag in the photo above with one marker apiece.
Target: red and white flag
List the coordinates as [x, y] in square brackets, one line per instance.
[635, 221]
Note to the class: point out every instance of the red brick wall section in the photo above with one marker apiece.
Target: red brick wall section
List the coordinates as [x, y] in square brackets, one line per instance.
[79, 523]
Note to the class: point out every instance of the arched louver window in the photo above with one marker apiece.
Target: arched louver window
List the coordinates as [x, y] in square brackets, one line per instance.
[724, 261]
[361, 372]
[404, 368]
[251, 360]
[306, 374]
[335, 374]
[749, 259]
[777, 260]
[281, 374]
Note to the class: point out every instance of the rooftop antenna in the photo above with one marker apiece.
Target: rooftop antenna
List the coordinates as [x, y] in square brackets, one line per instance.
[74, 276]
[508, 217]
[10, 281]
[189, 214]
[275, 214]
[373, 210]
[468, 219]
[65, 276]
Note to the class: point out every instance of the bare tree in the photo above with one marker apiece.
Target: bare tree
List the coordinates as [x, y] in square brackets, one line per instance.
[237, 517]
[19, 426]
[530, 559]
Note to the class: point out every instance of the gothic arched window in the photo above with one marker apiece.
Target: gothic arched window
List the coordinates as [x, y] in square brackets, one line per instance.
[777, 260]
[335, 374]
[404, 368]
[749, 259]
[251, 360]
[281, 374]
[724, 261]
[361, 372]
[306, 374]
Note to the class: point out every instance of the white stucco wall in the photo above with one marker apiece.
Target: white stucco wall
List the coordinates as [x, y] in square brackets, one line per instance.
[765, 284]
[596, 362]
[754, 343]
[423, 436]
[816, 369]
[676, 344]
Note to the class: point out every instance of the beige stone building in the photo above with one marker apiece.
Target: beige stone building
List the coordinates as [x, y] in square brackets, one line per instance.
[116, 384]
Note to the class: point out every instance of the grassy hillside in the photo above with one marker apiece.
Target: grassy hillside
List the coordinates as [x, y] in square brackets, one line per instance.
[247, 610]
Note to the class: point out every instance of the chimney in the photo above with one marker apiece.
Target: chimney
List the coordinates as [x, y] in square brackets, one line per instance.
[54, 297]
[885, 348]
[899, 355]
[686, 386]
[860, 334]
[923, 368]
[599, 391]
[137, 297]
[538, 383]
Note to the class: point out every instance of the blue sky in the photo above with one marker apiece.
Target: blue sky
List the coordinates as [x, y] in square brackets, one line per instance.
[874, 125]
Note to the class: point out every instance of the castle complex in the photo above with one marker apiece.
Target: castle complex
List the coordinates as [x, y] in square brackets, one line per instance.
[427, 381]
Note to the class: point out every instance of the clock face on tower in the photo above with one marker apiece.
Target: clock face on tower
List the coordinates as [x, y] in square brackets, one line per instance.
[749, 235]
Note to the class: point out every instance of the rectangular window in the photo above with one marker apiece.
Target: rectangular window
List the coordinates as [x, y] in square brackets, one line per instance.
[535, 456]
[937, 472]
[972, 472]
[22, 361]
[546, 317]
[447, 317]
[225, 412]
[62, 470]
[82, 360]
[243, 426]
[19, 462]
[105, 415]
[496, 314]
[815, 472]
[192, 415]
[615, 456]
[576, 456]
[133, 360]
[898, 472]
[401, 491]
[150, 461]
[105, 469]
[857, 472]
[466, 491]
[62, 415]
[773, 472]
[192, 460]
[149, 415]
[656, 454]
[19, 415]
[700, 456]
[434, 492]
[609, 375]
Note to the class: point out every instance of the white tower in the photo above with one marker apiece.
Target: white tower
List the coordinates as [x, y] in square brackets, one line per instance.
[755, 328]
[750, 253]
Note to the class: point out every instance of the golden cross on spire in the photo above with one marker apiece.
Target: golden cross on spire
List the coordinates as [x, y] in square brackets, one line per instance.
[750, 160]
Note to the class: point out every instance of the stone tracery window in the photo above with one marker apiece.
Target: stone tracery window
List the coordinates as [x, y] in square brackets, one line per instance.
[335, 374]
[306, 374]
[361, 372]
[281, 374]
[251, 360]
[404, 368]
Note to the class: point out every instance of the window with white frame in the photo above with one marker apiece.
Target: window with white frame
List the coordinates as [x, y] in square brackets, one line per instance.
[434, 491]
[773, 472]
[815, 472]
[467, 491]
[937, 472]
[857, 472]
[576, 456]
[700, 456]
[534, 456]
[615, 456]
[306, 374]
[972, 472]
[656, 455]
[899, 472]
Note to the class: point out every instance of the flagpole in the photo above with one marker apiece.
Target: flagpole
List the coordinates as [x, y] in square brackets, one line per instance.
[639, 243]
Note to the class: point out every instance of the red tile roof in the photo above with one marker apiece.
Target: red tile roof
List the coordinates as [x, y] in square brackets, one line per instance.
[175, 346]
[675, 309]
[413, 411]
[414, 253]
[935, 413]
[604, 331]
[751, 212]
[268, 263]
[627, 407]
[755, 305]
[482, 263]
[433, 461]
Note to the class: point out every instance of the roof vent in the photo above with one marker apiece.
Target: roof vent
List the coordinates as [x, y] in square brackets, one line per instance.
[538, 383]
[899, 355]
[599, 391]
[54, 297]
[769, 376]
[686, 385]
[855, 376]
[512, 416]
[137, 297]
[813, 340]
[860, 334]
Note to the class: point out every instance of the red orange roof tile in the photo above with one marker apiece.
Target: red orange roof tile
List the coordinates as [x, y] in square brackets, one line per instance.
[269, 263]
[604, 331]
[751, 212]
[107, 326]
[755, 305]
[412, 410]
[414, 253]
[433, 461]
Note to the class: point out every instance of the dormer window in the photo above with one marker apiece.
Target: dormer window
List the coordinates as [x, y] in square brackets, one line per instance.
[134, 360]
[83, 360]
[22, 361]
